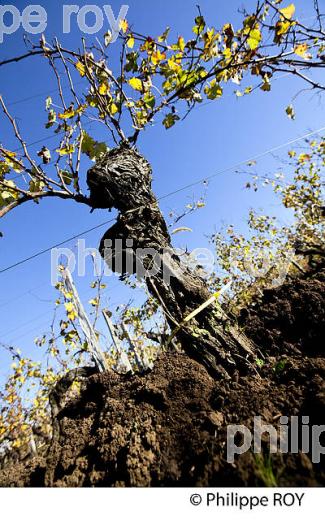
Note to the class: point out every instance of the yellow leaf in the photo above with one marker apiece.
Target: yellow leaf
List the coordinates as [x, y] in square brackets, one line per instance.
[66, 150]
[254, 39]
[67, 114]
[304, 157]
[301, 50]
[181, 43]
[157, 57]
[81, 68]
[71, 312]
[9, 193]
[173, 65]
[113, 109]
[81, 109]
[288, 12]
[290, 112]
[130, 42]
[136, 83]
[227, 54]
[163, 37]
[103, 88]
[282, 28]
[124, 25]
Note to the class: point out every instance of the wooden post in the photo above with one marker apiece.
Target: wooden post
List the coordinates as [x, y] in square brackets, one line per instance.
[86, 326]
[141, 360]
[123, 358]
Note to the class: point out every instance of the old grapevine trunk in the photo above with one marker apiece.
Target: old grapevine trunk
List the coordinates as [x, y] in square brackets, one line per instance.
[122, 179]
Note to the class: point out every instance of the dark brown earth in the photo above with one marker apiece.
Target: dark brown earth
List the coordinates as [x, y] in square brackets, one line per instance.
[168, 427]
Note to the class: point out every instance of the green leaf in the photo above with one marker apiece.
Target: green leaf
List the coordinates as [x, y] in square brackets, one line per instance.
[48, 103]
[214, 90]
[149, 100]
[200, 25]
[131, 62]
[36, 186]
[10, 159]
[4, 168]
[170, 120]
[8, 194]
[93, 149]
[66, 176]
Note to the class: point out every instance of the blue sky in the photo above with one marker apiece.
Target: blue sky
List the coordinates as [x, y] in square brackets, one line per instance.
[214, 137]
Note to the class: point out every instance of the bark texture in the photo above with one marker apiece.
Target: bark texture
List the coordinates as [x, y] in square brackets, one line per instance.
[122, 179]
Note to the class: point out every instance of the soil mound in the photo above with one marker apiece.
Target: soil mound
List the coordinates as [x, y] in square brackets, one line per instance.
[168, 427]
